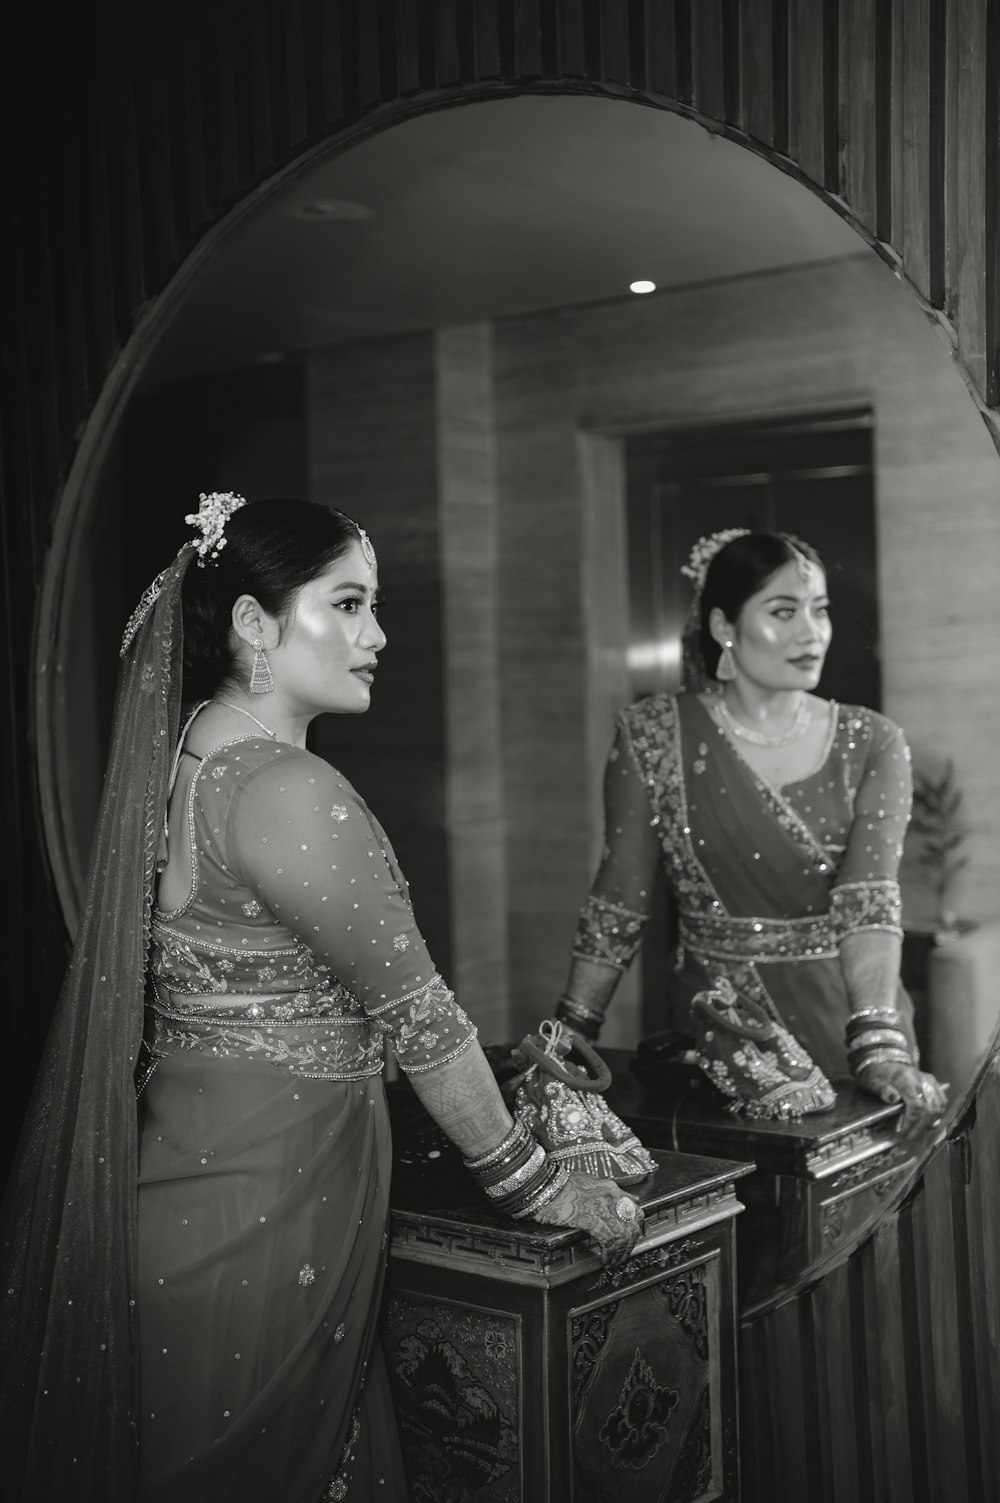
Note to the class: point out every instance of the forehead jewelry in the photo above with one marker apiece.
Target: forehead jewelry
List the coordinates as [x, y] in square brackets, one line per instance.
[366, 546]
[704, 551]
[802, 564]
[210, 520]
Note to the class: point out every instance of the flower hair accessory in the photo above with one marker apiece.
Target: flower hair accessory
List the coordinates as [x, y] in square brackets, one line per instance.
[210, 520]
[704, 551]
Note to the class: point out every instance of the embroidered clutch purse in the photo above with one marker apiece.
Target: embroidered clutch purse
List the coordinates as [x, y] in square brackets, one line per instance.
[562, 1105]
[753, 1059]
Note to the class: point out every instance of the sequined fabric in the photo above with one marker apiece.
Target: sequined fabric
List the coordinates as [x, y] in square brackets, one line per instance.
[768, 882]
[297, 944]
[264, 1169]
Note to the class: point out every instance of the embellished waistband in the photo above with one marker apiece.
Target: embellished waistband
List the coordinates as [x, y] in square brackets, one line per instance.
[759, 940]
[324, 1048]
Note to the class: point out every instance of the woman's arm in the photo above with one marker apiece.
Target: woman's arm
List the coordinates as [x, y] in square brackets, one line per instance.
[463, 1098]
[614, 915]
[301, 839]
[866, 902]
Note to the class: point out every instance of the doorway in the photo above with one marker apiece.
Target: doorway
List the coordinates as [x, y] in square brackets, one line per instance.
[811, 475]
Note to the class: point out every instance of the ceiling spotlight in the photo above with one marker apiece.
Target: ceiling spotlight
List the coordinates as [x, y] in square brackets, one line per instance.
[642, 286]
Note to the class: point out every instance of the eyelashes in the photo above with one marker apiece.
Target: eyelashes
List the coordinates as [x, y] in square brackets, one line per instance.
[351, 604]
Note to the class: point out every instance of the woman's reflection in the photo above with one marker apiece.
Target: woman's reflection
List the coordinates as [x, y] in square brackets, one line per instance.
[778, 817]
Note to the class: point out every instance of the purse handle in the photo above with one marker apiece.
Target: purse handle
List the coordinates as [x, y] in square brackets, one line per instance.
[553, 1033]
[723, 995]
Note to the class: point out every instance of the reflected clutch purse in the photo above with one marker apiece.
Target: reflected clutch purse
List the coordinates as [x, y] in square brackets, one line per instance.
[562, 1106]
[753, 1059]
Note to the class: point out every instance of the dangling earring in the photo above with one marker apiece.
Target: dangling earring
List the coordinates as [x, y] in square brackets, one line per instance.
[261, 681]
[726, 671]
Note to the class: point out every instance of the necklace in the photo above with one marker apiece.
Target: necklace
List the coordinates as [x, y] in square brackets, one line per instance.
[240, 711]
[796, 730]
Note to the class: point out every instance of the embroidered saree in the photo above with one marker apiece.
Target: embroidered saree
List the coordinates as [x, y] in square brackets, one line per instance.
[264, 1144]
[768, 882]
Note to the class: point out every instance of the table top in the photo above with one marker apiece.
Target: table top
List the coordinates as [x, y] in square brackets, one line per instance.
[438, 1211]
[683, 1108]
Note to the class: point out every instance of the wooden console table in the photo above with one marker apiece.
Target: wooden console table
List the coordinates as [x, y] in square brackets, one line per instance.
[525, 1372]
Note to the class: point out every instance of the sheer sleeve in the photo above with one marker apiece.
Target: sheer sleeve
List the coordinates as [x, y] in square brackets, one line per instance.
[865, 893]
[614, 916]
[301, 839]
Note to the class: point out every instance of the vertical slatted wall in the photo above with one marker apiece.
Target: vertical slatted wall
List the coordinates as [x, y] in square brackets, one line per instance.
[130, 131]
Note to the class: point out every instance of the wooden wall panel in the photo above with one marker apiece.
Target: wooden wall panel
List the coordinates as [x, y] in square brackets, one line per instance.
[918, 106]
[371, 418]
[812, 110]
[858, 108]
[542, 661]
[469, 531]
[763, 90]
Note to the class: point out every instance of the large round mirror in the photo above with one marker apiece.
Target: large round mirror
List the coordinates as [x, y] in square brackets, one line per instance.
[443, 330]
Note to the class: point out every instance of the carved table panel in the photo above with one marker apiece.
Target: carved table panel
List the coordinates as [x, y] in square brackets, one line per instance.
[524, 1370]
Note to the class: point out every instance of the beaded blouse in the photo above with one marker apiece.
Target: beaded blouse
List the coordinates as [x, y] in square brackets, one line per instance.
[296, 945]
[844, 823]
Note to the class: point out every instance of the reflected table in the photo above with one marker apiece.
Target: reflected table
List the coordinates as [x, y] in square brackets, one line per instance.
[816, 1183]
[523, 1370]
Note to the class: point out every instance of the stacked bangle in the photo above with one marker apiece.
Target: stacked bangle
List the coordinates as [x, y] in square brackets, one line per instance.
[518, 1175]
[586, 1020]
[555, 1175]
[874, 1037]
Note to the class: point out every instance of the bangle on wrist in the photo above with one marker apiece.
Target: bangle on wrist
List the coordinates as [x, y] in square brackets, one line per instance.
[585, 1020]
[874, 1036]
[514, 1181]
[518, 1176]
[868, 1016]
[512, 1146]
[882, 1057]
[557, 1173]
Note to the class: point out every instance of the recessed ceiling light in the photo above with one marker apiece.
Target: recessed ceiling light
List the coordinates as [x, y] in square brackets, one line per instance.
[343, 209]
[642, 286]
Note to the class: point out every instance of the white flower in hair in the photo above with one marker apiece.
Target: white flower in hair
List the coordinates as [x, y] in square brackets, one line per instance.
[704, 551]
[210, 520]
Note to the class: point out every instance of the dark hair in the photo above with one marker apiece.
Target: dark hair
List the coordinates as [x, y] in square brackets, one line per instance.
[738, 571]
[272, 549]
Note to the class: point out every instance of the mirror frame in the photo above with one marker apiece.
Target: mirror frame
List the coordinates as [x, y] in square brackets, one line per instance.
[73, 510]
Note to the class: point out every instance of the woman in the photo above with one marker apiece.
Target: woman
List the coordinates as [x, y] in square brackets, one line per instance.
[223, 1328]
[778, 818]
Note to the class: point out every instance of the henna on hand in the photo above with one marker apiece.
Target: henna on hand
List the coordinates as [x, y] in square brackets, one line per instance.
[924, 1098]
[589, 1204]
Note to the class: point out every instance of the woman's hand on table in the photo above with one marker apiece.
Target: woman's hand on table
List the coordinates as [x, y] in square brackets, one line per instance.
[924, 1097]
[599, 1207]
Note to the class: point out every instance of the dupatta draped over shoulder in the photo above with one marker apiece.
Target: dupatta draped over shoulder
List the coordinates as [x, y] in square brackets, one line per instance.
[767, 882]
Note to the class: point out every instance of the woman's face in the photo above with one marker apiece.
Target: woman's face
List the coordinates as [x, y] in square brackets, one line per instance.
[327, 653]
[781, 636]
